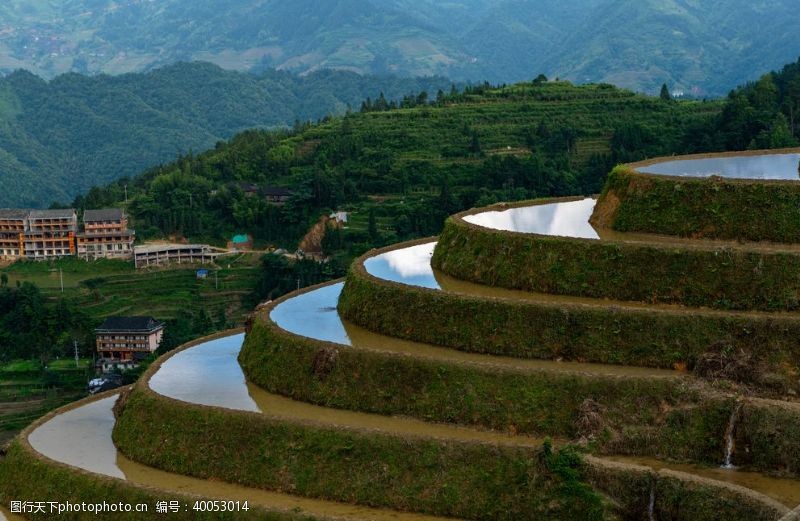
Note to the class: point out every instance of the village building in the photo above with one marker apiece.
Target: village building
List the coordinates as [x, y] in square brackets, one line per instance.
[164, 254]
[249, 189]
[105, 235]
[276, 195]
[50, 233]
[12, 230]
[241, 242]
[123, 342]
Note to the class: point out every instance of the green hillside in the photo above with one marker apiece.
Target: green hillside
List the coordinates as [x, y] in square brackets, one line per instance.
[401, 171]
[59, 138]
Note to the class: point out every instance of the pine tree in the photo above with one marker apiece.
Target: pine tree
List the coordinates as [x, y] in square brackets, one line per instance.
[665, 95]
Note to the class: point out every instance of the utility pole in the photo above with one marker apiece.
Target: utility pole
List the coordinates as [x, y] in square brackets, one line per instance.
[298, 284]
[77, 358]
[126, 195]
[61, 277]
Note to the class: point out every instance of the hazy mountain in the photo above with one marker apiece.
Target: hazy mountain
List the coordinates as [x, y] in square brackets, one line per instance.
[704, 46]
[59, 138]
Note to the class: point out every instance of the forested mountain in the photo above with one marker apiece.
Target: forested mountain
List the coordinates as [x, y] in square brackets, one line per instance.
[701, 47]
[59, 138]
[402, 171]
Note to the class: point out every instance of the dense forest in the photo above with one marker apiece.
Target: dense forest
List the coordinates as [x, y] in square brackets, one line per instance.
[59, 138]
[401, 168]
[763, 114]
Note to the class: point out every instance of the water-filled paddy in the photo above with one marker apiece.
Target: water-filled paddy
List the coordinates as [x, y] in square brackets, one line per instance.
[766, 166]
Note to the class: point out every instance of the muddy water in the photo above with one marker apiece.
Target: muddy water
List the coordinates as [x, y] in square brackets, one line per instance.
[767, 166]
[65, 438]
[205, 375]
[81, 438]
[412, 266]
[282, 407]
[6, 515]
[216, 366]
[314, 315]
[143, 475]
[785, 491]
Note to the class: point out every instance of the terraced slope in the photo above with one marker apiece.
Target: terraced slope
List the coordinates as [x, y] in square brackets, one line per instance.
[482, 402]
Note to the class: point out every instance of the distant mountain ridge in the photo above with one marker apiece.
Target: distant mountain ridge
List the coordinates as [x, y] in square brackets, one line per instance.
[59, 138]
[704, 47]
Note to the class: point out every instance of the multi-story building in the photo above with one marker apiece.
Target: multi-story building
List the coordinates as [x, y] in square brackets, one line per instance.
[122, 342]
[12, 229]
[163, 254]
[105, 235]
[45, 234]
[50, 233]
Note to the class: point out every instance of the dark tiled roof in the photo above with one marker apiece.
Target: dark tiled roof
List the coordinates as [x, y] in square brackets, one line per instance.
[53, 214]
[248, 187]
[129, 324]
[13, 213]
[106, 214]
[274, 191]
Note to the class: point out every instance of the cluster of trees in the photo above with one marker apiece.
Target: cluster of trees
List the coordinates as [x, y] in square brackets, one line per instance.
[280, 276]
[763, 114]
[31, 326]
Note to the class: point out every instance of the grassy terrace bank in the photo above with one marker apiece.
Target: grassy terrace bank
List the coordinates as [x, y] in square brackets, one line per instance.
[438, 476]
[516, 400]
[679, 418]
[734, 277]
[447, 478]
[610, 333]
[26, 475]
[743, 209]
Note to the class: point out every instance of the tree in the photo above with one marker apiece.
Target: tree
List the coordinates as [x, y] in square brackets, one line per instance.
[665, 95]
[475, 143]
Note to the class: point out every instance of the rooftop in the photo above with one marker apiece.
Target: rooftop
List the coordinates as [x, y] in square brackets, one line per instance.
[106, 214]
[275, 191]
[130, 324]
[152, 248]
[66, 213]
[13, 213]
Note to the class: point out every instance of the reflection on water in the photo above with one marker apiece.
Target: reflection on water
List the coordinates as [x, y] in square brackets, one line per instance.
[427, 277]
[785, 491]
[565, 219]
[314, 315]
[81, 438]
[222, 357]
[410, 266]
[205, 375]
[768, 166]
